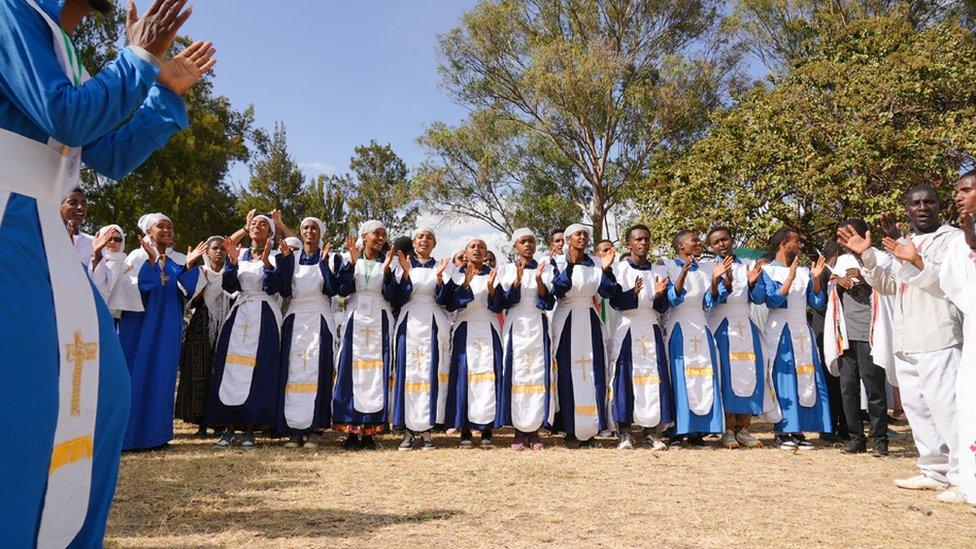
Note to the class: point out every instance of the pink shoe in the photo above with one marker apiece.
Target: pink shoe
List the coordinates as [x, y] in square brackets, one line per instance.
[536, 441]
[519, 444]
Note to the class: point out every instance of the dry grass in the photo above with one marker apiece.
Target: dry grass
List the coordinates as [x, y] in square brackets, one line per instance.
[194, 495]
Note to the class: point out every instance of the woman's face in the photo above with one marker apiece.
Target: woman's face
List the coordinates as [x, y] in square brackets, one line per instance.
[216, 253]
[579, 240]
[459, 258]
[476, 252]
[311, 234]
[114, 243]
[260, 230]
[375, 240]
[423, 243]
[525, 247]
[162, 233]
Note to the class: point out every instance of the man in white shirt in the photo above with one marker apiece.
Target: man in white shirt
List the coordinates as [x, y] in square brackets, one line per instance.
[74, 208]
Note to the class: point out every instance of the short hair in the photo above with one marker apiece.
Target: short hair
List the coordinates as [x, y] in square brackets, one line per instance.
[859, 225]
[679, 236]
[779, 237]
[404, 244]
[967, 175]
[606, 240]
[768, 257]
[927, 187]
[719, 228]
[637, 227]
[554, 232]
[832, 249]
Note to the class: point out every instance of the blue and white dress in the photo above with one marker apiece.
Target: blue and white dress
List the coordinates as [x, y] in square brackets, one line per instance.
[691, 352]
[246, 377]
[64, 416]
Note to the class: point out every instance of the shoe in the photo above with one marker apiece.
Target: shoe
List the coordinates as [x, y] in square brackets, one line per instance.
[747, 440]
[536, 442]
[696, 442]
[247, 441]
[310, 445]
[407, 443]
[832, 438]
[226, 440]
[880, 448]
[802, 443]
[201, 433]
[367, 442]
[729, 441]
[920, 482]
[588, 443]
[896, 436]
[466, 441]
[625, 442]
[572, 442]
[351, 443]
[426, 442]
[654, 442]
[855, 446]
[676, 441]
[293, 442]
[785, 442]
[952, 494]
[487, 441]
[519, 443]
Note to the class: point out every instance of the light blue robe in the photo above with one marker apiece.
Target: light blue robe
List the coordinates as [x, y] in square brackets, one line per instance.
[38, 101]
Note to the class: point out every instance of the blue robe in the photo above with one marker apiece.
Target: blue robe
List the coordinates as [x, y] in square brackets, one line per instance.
[151, 341]
[38, 101]
[797, 418]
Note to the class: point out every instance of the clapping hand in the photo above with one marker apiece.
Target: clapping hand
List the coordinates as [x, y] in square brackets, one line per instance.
[491, 282]
[638, 285]
[721, 269]
[284, 248]
[352, 249]
[817, 268]
[180, 73]
[193, 254]
[608, 257]
[469, 272]
[889, 226]
[231, 250]
[266, 257]
[903, 250]
[661, 286]
[755, 272]
[848, 238]
[157, 28]
[404, 262]
[149, 249]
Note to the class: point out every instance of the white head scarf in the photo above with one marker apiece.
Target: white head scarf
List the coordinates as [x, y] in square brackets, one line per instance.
[119, 255]
[519, 233]
[294, 242]
[367, 228]
[419, 230]
[206, 256]
[147, 221]
[266, 218]
[577, 227]
[318, 222]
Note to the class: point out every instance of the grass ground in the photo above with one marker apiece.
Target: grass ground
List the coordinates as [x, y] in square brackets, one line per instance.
[193, 495]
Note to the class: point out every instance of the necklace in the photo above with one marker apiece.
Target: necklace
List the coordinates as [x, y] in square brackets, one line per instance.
[163, 277]
[370, 267]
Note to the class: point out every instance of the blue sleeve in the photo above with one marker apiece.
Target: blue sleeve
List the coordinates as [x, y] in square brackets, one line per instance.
[512, 296]
[661, 304]
[118, 152]
[149, 277]
[188, 280]
[674, 298]
[814, 299]
[723, 295]
[447, 296]
[547, 303]
[624, 301]
[461, 296]
[330, 283]
[563, 282]
[34, 81]
[230, 283]
[609, 287]
[443, 296]
[773, 299]
[757, 294]
[347, 279]
[391, 290]
[496, 302]
[286, 271]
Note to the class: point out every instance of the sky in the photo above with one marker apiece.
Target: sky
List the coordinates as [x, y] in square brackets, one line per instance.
[337, 74]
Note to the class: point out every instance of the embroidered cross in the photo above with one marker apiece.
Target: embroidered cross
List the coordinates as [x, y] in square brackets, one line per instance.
[740, 329]
[245, 328]
[527, 358]
[420, 356]
[307, 355]
[696, 342]
[645, 345]
[369, 332]
[804, 342]
[480, 344]
[583, 362]
[79, 352]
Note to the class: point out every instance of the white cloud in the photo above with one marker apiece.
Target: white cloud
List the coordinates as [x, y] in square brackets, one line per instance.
[317, 168]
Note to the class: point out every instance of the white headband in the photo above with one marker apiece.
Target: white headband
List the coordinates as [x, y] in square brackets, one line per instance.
[519, 233]
[367, 228]
[577, 227]
[107, 228]
[147, 221]
[269, 221]
[318, 222]
[294, 242]
[419, 230]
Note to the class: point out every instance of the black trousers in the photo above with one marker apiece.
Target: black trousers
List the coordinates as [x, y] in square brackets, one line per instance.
[856, 367]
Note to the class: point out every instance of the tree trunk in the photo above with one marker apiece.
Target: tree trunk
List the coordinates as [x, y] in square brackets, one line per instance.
[597, 210]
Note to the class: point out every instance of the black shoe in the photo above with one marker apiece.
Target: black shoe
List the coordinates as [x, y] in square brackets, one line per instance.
[466, 440]
[696, 441]
[880, 448]
[426, 442]
[351, 443]
[367, 443]
[487, 442]
[572, 442]
[855, 446]
[407, 444]
[676, 441]
[831, 438]
[201, 433]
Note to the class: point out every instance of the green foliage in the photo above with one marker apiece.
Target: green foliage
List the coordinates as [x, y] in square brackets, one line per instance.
[277, 182]
[609, 83]
[878, 107]
[378, 188]
[327, 202]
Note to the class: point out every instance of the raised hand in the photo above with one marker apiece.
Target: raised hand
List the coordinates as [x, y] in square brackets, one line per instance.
[519, 271]
[231, 250]
[101, 241]
[661, 286]
[404, 264]
[491, 282]
[388, 262]
[352, 249]
[817, 268]
[794, 265]
[903, 250]
[193, 254]
[149, 249]
[180, 73]
[441, 267]
[889, 226]
[638, 285]
[284, 248]
[720, 270]
[541, 269]
[157, 28]
[265, 257]
[848, 238]
[756, 272]
[607, 259]
[325, 253]
[469, 272]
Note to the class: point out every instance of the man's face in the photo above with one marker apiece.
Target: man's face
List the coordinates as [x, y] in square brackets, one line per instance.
[639, 243]
[965, 196]
[556, 245]
[792, 245]
[691, 245]
[74, 207]
[721, 243]
[923, 210]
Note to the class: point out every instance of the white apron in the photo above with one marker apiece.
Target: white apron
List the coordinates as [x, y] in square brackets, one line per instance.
[524, 333]
[245, 333]
[742, 350]
[696, 337]
[639, 323]
[482, 327]
[46, 172]
[365, 309]
[577, 306]
[310, 308]
[419, 360]
[801, 336]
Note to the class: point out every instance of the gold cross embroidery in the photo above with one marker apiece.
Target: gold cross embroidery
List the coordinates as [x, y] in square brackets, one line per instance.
[583, 362]
[696, 342]
[369, 333]
[804, 342]
[245, 328]
[645, 345]
[78, 353]
[420, 356]
[741, 330]
[306, 355]
[527, 358]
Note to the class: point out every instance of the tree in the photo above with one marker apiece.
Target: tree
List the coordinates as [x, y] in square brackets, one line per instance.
[609, 83]
[378, 189]
[277, 182]
[491, 169]
[186, 179]
[327, 202]
[879, 107]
